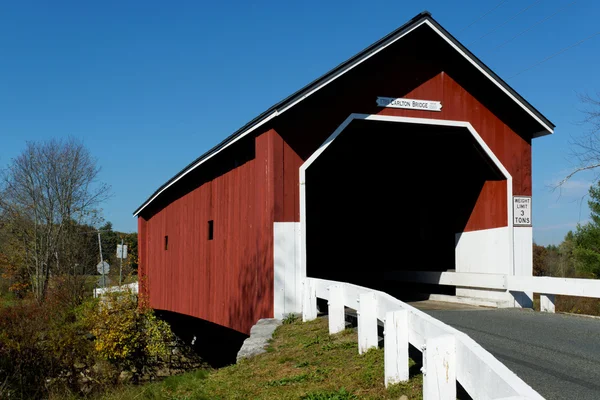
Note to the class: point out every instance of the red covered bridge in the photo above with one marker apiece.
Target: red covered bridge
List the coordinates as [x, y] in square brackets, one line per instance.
[412, 146]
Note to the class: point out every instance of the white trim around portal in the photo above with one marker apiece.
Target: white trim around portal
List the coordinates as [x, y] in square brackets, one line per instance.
[404, 120]
[287, 277]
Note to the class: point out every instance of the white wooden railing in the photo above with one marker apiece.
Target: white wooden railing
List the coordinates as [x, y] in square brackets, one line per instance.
[448, 354]
[546, 286]
[133, 287]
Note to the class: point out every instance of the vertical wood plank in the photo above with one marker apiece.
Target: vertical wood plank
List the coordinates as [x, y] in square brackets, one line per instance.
[367, 322]
[439, 368]
[336, 314]
[547, 303]
[309, 301]
[396, 347]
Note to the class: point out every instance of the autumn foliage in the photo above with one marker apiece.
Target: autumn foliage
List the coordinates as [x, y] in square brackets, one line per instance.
[56, 346]
[128, 336]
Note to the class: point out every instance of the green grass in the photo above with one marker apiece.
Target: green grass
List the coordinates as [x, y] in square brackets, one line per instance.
[304, 362]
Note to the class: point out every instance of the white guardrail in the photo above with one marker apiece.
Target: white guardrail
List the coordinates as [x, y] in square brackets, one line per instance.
[133, 287]
[546, 286]
[448, 354]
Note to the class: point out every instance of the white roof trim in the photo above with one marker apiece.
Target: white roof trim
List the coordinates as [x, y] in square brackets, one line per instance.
[476, 65]
[193, 167]
[359, 61]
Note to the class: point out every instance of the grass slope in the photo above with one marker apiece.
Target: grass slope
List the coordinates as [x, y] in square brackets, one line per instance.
[302, 362]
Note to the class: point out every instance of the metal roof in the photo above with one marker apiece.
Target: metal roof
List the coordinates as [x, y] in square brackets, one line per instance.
[290, 101]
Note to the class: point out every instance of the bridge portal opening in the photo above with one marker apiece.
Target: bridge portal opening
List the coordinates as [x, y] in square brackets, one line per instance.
[388, 196]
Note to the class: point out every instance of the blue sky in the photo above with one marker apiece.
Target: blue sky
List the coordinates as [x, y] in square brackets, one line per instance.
[148, 85]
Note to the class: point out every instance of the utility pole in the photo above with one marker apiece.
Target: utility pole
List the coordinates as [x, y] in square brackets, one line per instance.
[121, 266]
[101, 261]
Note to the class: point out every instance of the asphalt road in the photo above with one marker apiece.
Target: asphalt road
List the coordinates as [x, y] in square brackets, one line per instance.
[556, 354]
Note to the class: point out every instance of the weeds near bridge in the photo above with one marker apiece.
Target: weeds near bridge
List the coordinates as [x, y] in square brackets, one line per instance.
[57, 349]
[329, 368]
[290, 319]
[578, 305]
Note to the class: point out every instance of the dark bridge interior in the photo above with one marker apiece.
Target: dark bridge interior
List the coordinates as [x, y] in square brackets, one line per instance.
[215, 344]
[390, 196]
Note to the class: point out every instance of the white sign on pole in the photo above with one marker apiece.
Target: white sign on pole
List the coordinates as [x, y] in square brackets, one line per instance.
[121, 251]
[410, 104]
[522, 210]
[103, 268]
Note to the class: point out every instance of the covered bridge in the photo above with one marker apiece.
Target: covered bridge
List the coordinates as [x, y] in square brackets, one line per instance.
[412, 146]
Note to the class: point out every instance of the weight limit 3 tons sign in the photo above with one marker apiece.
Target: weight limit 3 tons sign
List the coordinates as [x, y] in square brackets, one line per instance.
[522, 210]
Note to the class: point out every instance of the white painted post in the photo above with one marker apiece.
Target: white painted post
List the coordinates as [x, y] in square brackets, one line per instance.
[309, 301]
[367, 322]
[439, 368]
[396, 347]
[547, 303]
[336, 314]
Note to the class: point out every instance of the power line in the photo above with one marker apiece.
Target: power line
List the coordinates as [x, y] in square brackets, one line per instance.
[533, 26]
[555, 54]
[482, 16]
[506, 22]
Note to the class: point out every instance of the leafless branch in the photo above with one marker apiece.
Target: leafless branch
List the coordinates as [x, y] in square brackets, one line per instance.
[585, 147]
[46, 194]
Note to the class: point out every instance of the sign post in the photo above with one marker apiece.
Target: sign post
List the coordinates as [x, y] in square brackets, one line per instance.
[103, 268]
[121, 254]
[101, 261]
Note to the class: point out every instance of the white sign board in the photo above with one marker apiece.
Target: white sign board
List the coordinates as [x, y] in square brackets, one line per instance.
[522, 210]
[103, 268]
[410, 104]
[121, 251]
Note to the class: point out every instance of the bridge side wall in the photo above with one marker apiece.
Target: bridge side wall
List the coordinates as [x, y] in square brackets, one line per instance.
[227, 280]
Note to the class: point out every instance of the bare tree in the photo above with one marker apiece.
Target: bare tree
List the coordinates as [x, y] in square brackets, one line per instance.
[46, 194]
[586, 146]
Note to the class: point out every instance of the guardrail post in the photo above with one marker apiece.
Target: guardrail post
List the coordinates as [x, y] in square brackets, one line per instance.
[547, 303]
[439, 368]
[396, 347]
[309, 301]
[336, 314]
[367, 322]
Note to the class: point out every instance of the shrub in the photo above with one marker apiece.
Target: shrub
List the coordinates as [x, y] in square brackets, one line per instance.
[60, 347]
[41, 346]
[129, 336]
[23, 359]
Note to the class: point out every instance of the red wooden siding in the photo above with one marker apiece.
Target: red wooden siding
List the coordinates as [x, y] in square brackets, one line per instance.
[491, 210]
[434, 73]
[287, 196]
[142, 254]
[214, 279]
